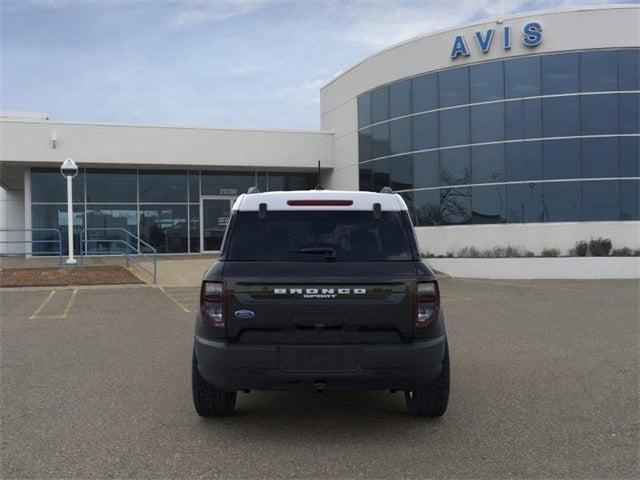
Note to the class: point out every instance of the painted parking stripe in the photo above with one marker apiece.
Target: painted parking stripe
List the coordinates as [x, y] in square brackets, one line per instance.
[174, 300]
[44, 313]
[42, 305]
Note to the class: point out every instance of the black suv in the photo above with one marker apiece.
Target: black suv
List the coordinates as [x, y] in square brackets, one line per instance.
[320, 290]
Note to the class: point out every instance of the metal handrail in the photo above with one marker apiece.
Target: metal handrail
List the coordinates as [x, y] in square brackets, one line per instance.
[137, 251]
[32, 241]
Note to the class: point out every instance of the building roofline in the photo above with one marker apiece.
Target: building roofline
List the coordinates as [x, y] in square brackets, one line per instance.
[167, 126]
[416, 38]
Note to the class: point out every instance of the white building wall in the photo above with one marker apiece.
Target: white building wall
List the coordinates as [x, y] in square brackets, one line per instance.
[11, 217]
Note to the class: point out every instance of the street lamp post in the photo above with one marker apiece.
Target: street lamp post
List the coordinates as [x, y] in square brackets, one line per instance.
[69, 169]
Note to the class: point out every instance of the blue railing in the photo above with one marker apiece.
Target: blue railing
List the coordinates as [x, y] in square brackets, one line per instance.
[131, 248]
[57, 241]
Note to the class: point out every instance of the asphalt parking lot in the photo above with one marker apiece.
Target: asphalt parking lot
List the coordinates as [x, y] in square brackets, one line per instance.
[96, 384]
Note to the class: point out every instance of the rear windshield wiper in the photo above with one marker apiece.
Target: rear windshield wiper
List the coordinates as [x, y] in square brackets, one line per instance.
[330, 253]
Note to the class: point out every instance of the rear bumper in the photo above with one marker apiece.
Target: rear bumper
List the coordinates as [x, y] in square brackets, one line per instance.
[338, 367]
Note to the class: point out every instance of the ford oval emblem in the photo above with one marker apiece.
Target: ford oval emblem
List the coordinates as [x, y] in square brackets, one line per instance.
[244, 314]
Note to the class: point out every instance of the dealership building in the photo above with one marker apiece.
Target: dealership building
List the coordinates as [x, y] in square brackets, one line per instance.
[520, 131]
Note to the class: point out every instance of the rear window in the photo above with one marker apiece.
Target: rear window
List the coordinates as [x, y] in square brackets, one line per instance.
[343, 235]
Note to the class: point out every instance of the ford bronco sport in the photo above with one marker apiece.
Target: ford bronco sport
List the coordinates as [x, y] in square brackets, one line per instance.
[320, 290]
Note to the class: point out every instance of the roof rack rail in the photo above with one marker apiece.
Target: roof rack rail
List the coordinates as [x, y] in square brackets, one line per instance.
[253, 190]
[386, 190]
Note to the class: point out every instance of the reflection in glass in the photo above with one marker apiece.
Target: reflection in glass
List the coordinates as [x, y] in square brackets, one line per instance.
[599, 114]
[629, 69]
[523, 161]
[380, 140]
[426, 208]
[112, 186]
[600, 157]
[455, 205]
[488, 204]
[599, 71]
[227, 183]
[524, 203]
[629, 113]
[561, 116]
[425, 131]
[561, 202]
[400, 135]
[523, 119]
[487, 81]
[630, 200]
[454, 127]
[454, 166]
[560, 73]
[487, 164]
[163, 186]
[366, 178]
[522, 77]
[365, 145]
[630, 156]
[426, 169]
[401, 175]
[424, 92]
[453, 87]
[364, 110]
[165, 227]
[215, 217]
[561, 159]
[194, 228]
[291, 181]
[600, 200]
[381, 174]
[49, 186]
[194, 186]
[380, 104]
[400, 98]
[487, 123]
[54, 216]
[113, 218]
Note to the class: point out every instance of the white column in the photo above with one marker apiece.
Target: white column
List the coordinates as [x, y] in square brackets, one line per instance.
[70, 260]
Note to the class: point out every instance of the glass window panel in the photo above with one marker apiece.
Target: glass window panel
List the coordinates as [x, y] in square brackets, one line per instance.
[194, 186]
[54, 216]
[365, 145]
[454, 166]
[630, 156]
[561, 116]
[380, 141]
[227, 183]
[522, 77]
[487, 164]
[600, 201]
[487, 123]
[629, 113]
[523, 161]
[523, 119]
[380, 105]
[487, 81]
[112, 186]
[292, 181]
[599, 114]
[488, 204]
[561, 159]
[560, 73]
[424, 92]
[425, 131]
[453, 87]
[381, 170]
[426, 169]
[114, 218]
[364, 110]
[524, 203]
[400, 135]
[599, 71]
[165, 227]
[455, 205]
[400, 98]
[366, 176]
[48, 185]
[629, 69]
[401, 177]
[163, 186]
[454, 127]
[561, 202]
[630, 200]
[600, 157]
[426, 208]
[194, 228]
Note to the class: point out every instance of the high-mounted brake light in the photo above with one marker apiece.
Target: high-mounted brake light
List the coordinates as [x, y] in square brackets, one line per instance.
[319, 203]
[427, 303]
[212, 303]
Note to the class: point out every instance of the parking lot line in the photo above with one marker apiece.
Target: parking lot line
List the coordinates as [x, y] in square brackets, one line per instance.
[42, 305]
[69, 303]
[174, 300]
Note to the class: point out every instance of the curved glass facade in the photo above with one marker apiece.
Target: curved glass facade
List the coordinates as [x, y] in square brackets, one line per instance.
[541, 138]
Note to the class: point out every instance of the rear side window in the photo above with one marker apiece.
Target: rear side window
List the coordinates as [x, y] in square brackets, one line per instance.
[319, 235]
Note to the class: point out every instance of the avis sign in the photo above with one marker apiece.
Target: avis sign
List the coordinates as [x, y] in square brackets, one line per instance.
[531, 37]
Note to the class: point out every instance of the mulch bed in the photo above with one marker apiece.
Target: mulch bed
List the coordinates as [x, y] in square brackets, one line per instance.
[55, 276]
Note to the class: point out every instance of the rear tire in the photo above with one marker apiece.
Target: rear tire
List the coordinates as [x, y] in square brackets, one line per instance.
[209, 400]
[431, 400]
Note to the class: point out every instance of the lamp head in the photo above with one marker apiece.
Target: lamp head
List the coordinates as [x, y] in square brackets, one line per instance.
[69, 168]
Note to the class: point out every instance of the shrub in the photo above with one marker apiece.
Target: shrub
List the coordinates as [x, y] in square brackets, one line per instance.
[600, 247]
[427, 255]
[550, 252]
[622, 252]
[581, 248]
[529, 253]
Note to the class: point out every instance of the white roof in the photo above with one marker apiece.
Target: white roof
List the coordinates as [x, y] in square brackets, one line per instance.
[280, 200]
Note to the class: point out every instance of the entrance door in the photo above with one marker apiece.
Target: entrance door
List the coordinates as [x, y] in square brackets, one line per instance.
[214, 216]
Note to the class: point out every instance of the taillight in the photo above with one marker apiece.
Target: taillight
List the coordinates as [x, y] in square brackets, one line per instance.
[212, 303]
[427, 303]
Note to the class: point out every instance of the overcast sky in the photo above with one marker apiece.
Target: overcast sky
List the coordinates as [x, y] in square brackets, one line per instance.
[227, 63]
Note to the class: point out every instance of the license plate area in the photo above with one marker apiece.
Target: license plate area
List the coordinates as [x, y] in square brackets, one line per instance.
[319, 358]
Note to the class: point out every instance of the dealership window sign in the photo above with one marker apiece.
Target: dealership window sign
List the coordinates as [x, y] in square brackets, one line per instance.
[531, 37]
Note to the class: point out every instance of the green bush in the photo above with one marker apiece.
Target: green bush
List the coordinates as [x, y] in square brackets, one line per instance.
[550, 252]
[624, 252]
[581, 248]
[600, 247]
